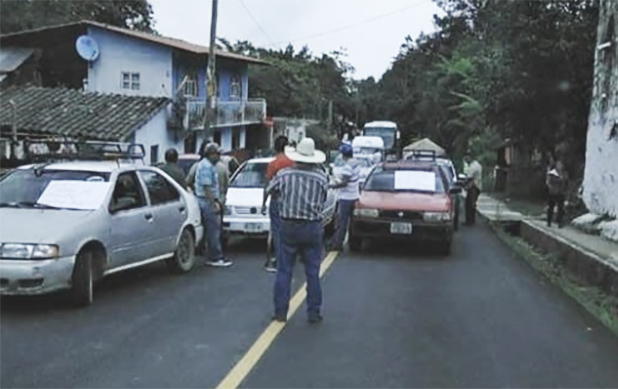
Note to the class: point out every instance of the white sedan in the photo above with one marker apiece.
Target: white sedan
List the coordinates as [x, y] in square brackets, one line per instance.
[243, 214]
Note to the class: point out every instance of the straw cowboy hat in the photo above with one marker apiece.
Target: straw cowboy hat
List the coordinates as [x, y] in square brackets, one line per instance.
[305, 152]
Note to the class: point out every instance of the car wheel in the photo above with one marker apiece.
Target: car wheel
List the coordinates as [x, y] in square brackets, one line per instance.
[184, 256]
[82, 289]
[355, 243]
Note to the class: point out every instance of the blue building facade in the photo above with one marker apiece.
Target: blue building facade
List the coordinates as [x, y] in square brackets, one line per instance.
[145, 65]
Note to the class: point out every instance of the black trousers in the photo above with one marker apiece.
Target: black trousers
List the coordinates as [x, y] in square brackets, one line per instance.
[472, 196]
[552, 201]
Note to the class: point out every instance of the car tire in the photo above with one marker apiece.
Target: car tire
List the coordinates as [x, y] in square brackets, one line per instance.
[184, 255]
[355, 243]
[82, 280]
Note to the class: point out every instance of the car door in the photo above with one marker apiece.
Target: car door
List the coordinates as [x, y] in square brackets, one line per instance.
[168, 208]
[131, 222]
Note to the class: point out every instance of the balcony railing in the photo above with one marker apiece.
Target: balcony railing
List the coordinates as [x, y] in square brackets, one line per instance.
[226, 113]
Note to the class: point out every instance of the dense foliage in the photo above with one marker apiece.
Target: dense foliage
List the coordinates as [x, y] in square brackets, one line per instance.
[494, 70]
[17, 15]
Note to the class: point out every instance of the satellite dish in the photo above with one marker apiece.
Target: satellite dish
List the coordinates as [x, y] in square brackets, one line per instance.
[87, 48]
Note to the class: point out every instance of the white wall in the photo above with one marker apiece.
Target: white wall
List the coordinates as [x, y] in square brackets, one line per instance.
[121, 53]
[155, 133]
[601, 173]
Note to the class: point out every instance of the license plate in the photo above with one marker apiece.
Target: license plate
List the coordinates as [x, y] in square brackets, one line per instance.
[253, 227]
[401, 228]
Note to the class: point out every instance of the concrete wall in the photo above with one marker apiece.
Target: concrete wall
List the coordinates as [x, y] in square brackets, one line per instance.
[601, 173]
[155, 133]
[121, 53]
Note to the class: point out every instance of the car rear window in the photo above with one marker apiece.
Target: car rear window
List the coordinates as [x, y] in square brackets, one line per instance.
[405, 180]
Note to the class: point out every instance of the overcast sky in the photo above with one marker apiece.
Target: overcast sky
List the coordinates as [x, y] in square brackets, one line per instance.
[371, 31]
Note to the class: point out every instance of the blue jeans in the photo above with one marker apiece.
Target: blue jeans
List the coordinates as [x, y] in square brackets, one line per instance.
[304, 238]
[212, 224]
[344, 216]
[275, 226]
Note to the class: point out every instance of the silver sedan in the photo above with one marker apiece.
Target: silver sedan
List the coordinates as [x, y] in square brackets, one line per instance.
[66, 225]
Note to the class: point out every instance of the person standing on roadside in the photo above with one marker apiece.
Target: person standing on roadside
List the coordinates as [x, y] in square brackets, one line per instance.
[474, 171]
[556, 181]
[302, 192]
[207, 192]
[172, 169]
[191, 175]
[348, 194]
[280, 162]
[223, 176]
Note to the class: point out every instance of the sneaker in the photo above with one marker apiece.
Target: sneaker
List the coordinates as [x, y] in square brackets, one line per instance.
[223, 262]
[315, 318]
[271, 268]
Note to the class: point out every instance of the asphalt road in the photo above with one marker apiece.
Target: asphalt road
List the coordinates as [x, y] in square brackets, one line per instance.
[394, 317]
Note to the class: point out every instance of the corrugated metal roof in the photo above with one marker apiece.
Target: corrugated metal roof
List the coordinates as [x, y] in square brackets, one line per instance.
[171, 42]
[12, 57]
[74, 113]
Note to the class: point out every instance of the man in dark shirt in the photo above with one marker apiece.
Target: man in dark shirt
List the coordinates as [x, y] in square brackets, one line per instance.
[279, 163]
[172, 169]
[302, 192]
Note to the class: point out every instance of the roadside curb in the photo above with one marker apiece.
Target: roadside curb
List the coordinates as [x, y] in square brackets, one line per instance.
[589, 268]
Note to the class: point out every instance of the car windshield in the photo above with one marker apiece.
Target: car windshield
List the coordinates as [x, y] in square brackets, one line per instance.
[252, 175]
[412, 180]
[24, 189]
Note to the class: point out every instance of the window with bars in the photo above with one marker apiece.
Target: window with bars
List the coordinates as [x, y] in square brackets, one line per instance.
[130, 81]
[235, 87]
[191, 86]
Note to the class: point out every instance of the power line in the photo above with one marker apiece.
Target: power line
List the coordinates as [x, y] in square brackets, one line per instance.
[358, 24]
[256, 22]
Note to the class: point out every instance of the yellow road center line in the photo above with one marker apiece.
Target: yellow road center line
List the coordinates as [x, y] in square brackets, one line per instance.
[239, 372]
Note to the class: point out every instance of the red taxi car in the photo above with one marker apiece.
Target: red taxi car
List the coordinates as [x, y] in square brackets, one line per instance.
[408, 200]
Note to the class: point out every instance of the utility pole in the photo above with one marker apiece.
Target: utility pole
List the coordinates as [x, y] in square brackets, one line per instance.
[211, 84]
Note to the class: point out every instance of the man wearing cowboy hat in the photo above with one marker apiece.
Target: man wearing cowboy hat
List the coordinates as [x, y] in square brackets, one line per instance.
[302, 192]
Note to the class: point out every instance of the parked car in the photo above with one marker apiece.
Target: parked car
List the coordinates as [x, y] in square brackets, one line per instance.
[242, 214]
[454, 181]
[408, 200]
[66, 225]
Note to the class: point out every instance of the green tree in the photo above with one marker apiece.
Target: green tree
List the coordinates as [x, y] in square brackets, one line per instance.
[18, 15]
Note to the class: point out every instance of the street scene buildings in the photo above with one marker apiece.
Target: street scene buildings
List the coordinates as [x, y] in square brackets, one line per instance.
[443, 173]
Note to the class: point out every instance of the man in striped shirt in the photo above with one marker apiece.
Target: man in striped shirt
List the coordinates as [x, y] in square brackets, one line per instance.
[302, 192]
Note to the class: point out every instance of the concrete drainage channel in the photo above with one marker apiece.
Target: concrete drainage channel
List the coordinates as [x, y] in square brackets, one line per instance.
[583, 275]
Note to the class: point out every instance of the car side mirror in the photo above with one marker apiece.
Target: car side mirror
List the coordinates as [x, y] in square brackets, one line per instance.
[455, 190]
[462, 177]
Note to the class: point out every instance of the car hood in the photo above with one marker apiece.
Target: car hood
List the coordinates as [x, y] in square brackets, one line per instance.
[405, 201]
[39, 225]
[245, 197]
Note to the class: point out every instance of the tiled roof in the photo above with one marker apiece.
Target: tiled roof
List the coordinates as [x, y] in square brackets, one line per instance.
[171, 42]
[73, 113]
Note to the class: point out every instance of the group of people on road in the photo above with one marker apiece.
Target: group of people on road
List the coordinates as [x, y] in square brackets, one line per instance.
[208, 179]
[298, 189]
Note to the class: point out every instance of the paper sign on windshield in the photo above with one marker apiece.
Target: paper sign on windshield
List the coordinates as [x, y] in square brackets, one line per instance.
[415, 180]
[85, 195]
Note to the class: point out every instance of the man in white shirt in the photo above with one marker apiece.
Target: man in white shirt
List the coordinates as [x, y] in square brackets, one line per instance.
[348, 194]
[474, 171]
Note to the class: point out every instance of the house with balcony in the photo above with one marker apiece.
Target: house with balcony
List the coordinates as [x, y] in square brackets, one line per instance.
[134, 63]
